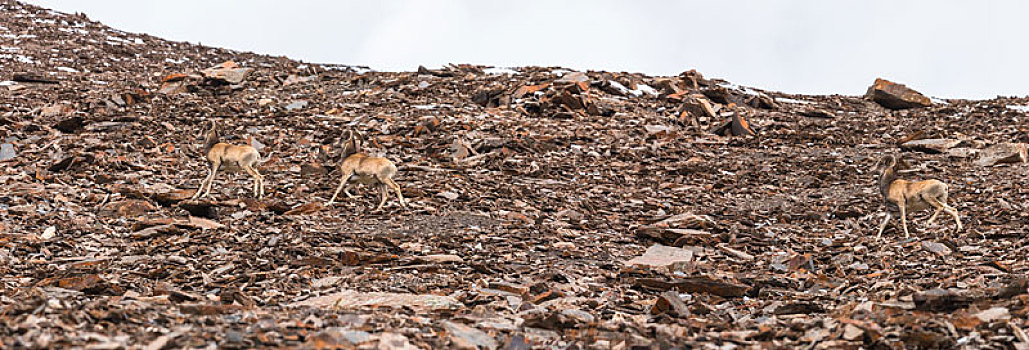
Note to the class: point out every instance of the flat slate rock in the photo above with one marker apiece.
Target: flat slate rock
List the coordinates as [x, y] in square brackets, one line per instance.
[930, 145]
[660, 255]
[1002, 153]
[349, 299]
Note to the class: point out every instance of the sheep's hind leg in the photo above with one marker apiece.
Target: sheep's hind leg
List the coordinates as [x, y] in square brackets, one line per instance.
[393, 184]
[258, 181]
[382, 193]
[346, 190]
[942, 206]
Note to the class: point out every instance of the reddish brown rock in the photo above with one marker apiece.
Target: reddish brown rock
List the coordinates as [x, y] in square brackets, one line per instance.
[896, 96]
[130, 208]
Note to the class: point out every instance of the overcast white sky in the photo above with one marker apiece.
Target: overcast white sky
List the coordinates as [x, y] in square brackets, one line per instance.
[944, 48]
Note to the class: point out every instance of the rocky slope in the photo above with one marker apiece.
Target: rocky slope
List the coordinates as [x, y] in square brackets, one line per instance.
[532, 190]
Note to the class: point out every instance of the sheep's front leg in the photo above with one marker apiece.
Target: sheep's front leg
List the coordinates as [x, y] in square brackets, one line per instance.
[207, 182]
[342, 182]
[882, 227]
[904, 220]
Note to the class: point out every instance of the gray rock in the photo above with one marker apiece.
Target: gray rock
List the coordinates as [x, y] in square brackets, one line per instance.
[465, 337]
[7, 152]
[574, 77]
[577, 316]
[930, 145]
[659, 255]
[355, 337]
[296, 105]
[1002, 153]
[937, 248]
[394, 341]
[228, 72]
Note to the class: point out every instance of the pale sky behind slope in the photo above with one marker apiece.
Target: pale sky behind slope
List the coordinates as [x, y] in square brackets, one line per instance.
[944, 48]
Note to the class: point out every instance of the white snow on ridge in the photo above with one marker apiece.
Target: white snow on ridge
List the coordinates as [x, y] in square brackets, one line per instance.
[67, 69]
[430, 107]
[559, 72]
[111, 38]
[790, 100]
[640, 89]
[501, 71]
[645, 89]
[19, 36]
[743, 89]
[74, 30]
[618, 86]
[343, 67]
[1020, 108]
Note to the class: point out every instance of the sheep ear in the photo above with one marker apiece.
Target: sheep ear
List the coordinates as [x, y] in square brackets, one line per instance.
[903, 163]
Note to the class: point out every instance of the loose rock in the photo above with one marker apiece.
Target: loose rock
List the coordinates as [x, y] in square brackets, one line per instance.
[896, 96]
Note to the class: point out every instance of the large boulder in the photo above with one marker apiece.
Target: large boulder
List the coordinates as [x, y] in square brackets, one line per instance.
[896, 96]
[228, 72]
[1003, 153]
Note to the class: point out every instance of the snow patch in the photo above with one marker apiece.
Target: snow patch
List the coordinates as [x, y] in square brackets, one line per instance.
[1020, 108]
[559, 72]
[618, 86]
[7, 83]
[940, 101]
[743, 89]
[343, 67]
[16, 37]
[640, 89]
[501, 71]
[115, 39]
[67, 69]
[790, 100]
[430, 107]
[646, 89]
